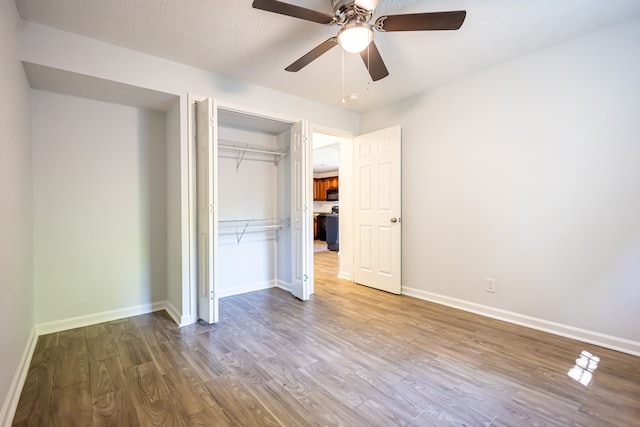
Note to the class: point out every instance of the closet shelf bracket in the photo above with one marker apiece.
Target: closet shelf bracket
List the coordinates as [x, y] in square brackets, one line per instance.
[241, 226]
[243, 150]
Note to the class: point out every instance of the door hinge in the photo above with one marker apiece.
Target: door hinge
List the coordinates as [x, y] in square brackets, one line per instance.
[212, 296]
[211, 121]
[305, 277]
[210, 208]
[305, 138]
[305, 208]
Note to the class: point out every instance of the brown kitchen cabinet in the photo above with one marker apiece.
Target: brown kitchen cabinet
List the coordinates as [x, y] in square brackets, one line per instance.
[321, 185]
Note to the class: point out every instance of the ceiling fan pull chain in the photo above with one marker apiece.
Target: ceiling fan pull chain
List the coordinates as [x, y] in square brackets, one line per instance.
[368, 66]
[344, 101]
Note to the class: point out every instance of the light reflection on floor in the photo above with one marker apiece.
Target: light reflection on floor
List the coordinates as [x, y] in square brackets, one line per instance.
[584, 368]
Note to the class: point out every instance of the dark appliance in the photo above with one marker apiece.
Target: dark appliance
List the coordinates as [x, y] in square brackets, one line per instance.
[321, 227]
[333, 243]
[332, 195]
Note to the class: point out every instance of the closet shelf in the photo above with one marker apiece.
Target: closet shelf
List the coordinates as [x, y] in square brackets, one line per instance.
[242, 226]
[242, 151]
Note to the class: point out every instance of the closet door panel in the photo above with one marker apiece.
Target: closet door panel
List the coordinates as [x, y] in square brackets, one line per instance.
[206, 158]
[301, 215]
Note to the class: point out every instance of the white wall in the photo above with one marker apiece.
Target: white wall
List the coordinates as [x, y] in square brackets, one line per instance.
[528, 172]
[247, 192]
[284, 254]
[99, 206]
[60, 50]
[173, 209]
[66, 51]
[16, 219]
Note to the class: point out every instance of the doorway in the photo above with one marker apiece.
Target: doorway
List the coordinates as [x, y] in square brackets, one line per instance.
[369, 203]
[331, 195]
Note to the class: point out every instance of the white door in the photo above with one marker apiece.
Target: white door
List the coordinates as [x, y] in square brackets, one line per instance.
[206, 181]
[377, 209]
[301, 215]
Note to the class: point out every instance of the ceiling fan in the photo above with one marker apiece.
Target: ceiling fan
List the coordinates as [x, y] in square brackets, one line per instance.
[356, 34]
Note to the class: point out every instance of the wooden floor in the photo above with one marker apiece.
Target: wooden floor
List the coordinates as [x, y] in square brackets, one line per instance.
[350, 356]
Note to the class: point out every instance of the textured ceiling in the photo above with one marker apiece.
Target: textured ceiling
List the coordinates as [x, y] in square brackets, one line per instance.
[231, 38]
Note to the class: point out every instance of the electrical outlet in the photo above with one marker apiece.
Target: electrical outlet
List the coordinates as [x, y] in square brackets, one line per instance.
[491, 284]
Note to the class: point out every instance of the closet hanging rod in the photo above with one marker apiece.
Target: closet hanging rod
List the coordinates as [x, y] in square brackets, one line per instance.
[275, 152]
[252, 220]
[241, 151]
[253, 227]
[240, 229]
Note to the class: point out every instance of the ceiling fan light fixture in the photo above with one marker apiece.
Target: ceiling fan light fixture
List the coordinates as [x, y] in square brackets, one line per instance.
[355, 36]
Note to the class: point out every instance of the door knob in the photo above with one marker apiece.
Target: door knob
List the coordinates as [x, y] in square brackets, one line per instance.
[394, 220]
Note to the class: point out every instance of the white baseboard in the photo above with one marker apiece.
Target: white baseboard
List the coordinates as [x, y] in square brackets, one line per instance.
[181, 321]
[283, 285]
[188, 320]
[105, 316]
[344, 275]
[243, 289]
[602, 340]
[258, 286]
[13, 396]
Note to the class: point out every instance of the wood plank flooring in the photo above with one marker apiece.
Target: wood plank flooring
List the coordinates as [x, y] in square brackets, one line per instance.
[350, 356]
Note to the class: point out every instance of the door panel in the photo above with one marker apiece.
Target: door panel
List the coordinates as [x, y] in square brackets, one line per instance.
[378, 186]
[385, 239]
[301, 215]
[206, 158]
[365, 249]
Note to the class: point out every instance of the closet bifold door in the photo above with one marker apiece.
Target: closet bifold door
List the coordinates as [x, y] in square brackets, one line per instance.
[262, 189]
[301, 215]
[206, 195]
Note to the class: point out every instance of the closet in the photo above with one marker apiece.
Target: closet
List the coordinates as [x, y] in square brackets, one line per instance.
[253, 192]
[254, 198]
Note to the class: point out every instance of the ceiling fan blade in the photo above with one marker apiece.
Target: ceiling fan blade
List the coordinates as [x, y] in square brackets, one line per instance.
[374, 63]
[369, 5]
[431, 21]
[293, 10]
[313, 54]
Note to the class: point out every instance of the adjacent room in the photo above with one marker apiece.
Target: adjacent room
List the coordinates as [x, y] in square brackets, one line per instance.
[234, 213]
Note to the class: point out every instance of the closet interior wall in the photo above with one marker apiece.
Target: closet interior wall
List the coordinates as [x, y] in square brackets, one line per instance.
[104, 209]
[254, 204]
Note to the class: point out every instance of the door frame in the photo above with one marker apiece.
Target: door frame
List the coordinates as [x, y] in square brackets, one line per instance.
[345, 177]
[192, 100]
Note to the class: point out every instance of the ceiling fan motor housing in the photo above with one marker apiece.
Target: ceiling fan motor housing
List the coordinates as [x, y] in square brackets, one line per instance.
[341, 6]
[347, 11]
